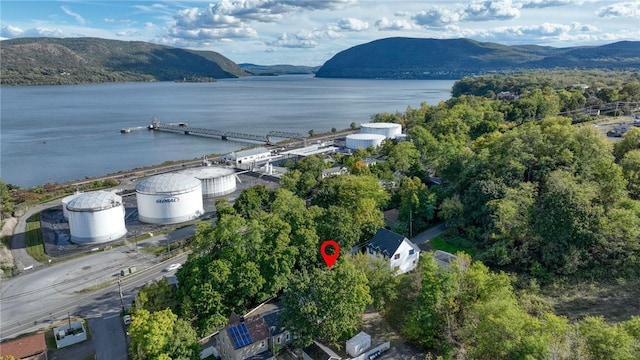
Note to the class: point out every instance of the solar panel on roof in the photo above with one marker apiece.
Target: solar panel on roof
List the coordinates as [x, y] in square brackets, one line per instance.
[240, 336]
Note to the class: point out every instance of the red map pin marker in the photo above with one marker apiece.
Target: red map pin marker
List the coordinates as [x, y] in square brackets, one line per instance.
[330, 259]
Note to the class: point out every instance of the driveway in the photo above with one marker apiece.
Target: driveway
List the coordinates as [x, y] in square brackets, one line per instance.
[108, 336]
[429, 234]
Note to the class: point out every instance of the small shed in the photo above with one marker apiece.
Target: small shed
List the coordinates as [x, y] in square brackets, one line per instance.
[358, 344]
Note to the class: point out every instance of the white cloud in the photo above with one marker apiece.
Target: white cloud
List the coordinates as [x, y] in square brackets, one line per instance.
[213, 33]
[287, 41]
[9, 31]
[437, 17]
[76, 16]
[629, 9]
[128, 33]
[393, 25]
[351, 24]
[477, 10]
[548, 3]
[490, 10]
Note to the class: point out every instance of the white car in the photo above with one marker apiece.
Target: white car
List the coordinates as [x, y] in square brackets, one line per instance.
[126, 319]
[173, 267]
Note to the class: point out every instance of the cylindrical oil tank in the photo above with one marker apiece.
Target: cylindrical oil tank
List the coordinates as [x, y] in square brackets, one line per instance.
[389, 130]
[65, 201]
[169, 199]
[96, 217]
[216, 181]
[355, 141]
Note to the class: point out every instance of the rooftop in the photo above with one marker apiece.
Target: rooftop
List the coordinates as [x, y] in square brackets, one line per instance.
[386, 242]
[96, 200]
[170, 183]
[24, 347]
[246, 332]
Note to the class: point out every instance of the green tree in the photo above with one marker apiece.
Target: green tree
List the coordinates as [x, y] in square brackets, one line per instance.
[403, 156]
[160, 334]
[157, 295]
[338, 224]
[383, 284]
[417, 204]
[253, 200]
[604, 341]
[223, 207]
[630, 164]
[347, 190]
[431, 322]
[326, 304]
[6, 200]
[630, 141]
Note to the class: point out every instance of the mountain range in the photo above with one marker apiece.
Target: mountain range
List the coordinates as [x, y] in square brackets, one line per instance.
[414, 58]
[35, 61]
[28, 61]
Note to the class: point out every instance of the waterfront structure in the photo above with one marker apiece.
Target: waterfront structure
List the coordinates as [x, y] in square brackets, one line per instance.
[169, 199]
[215, 181]
[250, 156]
[96, 217]
[355, 141]
[65, 201]
[389, 130]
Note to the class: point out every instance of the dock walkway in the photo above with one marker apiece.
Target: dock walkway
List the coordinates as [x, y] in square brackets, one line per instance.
[224, 135]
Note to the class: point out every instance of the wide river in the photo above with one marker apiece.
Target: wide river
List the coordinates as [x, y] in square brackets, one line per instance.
[64, 133]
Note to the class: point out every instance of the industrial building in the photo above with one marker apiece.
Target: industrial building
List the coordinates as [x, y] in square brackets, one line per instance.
[65, 201]
[355, 141]
[96, 217]
[250, 156]
[169, 199]
[389, 130]
[215, 181]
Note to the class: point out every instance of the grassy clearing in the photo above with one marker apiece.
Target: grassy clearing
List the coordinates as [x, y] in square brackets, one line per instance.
[33, 239]
[615, 300]
[50, 340]
[452, 244]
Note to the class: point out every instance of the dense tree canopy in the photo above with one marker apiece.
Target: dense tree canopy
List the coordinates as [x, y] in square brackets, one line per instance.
[326, 304]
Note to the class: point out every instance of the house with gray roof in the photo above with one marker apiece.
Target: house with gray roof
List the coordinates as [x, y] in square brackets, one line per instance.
[400, 252]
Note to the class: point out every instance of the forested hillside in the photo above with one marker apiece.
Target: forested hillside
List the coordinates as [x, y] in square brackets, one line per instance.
[413, 58]
[37, 61]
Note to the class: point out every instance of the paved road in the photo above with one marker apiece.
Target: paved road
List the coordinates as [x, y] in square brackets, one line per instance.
[429, 234]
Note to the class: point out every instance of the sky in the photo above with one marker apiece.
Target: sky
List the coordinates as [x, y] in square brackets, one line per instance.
[310, 32]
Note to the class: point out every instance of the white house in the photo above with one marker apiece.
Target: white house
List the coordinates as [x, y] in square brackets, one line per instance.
[401, 253]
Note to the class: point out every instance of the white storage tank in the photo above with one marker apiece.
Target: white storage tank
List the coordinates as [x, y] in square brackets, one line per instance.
[169, 199]
[355, 141]
[96, 217]
[216, 181]
[358, 344]
[65, 201]
[389, 130]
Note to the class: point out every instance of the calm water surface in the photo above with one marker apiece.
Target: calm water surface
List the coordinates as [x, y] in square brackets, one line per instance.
[65, 133]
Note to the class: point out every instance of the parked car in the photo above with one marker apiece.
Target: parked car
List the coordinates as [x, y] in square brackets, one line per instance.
[126, 319]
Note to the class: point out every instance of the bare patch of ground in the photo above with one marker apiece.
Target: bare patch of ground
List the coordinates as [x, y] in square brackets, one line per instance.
[615, 300]
[381, 331]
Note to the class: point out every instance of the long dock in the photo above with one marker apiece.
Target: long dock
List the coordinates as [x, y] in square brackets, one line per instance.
[184, 128]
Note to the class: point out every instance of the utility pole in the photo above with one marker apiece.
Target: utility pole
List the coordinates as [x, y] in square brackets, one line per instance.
[410, 223]
[120, 291]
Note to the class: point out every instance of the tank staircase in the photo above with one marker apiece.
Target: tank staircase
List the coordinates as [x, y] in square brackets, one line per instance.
[224, 135]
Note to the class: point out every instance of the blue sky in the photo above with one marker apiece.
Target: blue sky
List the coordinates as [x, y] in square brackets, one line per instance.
[309, 32]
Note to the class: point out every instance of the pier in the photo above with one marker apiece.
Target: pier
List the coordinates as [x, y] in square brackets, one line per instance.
[184, 128]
